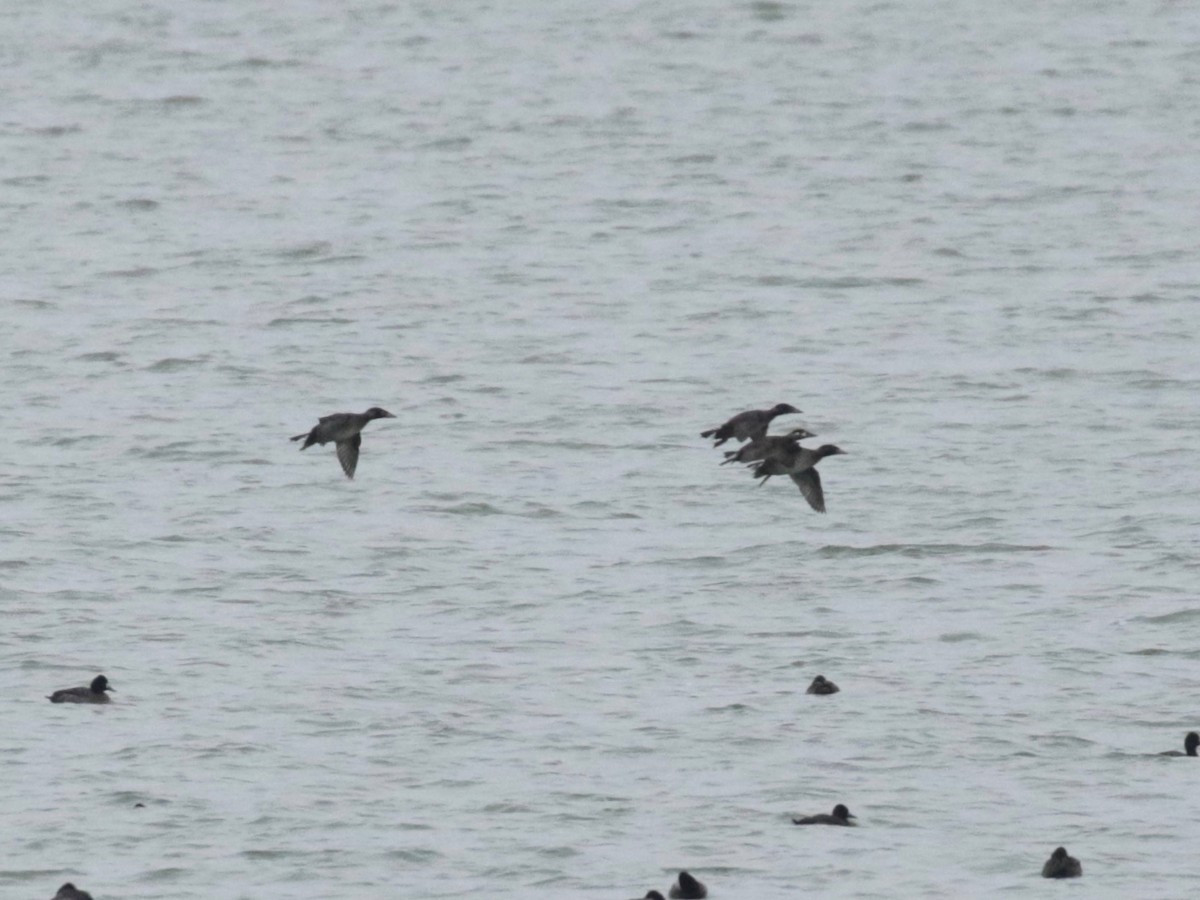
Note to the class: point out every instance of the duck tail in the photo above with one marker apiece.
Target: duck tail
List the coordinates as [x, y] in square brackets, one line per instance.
[307, 434]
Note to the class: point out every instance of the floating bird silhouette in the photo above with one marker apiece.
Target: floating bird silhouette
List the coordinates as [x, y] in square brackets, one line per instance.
[1060, 865]
[799, 464]
[840, 816]
[69, 892]
[747, 425]
[822, 685]
[344, 429]
[687, 888]
[766, 446]
[93, 693]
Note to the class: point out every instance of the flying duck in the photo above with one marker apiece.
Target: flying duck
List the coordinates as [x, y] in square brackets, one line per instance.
[748, 425]
[799, 464]
[766, 446]
[344, 429]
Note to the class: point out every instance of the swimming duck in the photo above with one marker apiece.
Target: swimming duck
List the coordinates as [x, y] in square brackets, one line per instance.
[799, 464]
[344, 429]
[69, 892]
[93, 693]
[763, 447]
[747, 425]
[841, 816]
[653, 895]
[1059, 865]
[1190, 743]
[821, 686]
[687, 888]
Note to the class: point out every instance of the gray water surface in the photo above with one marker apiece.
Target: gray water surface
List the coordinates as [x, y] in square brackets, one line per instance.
[543, 645]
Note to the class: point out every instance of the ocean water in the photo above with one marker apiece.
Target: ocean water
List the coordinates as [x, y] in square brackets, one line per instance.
[544, 645]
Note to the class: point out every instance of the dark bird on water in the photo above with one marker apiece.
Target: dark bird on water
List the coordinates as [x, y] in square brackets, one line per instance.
[687, 888]
[799, 464]
[1060, 865]
[821, 685]
[841, 816]
[749, 425]
[69, 892]
[1190, 743]
[93, 693]
[344, 429]
[764, 447]
[653, 895]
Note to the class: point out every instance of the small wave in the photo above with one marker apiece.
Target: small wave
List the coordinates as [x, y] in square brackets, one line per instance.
[176, 363]
[844, 283]
[467, 509]
[304, 251]
[260, 62]
[414, 855]
[288, 321]
[1182, 615]
[172, 873]
[136, 272]
[24, 180]
[836, 551]
[141, 204]
[182, 100]
[56, 130]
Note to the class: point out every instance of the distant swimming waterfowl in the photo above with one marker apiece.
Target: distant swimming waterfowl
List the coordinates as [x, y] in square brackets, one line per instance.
[653, 895]
[344, 429]
[69, 892]
[1190, 743]
[93, 693]
[748, 425]
[687, 888]
[820, 685]
[766, 446]
[799, 464]
[841, 816]
[1059, 865]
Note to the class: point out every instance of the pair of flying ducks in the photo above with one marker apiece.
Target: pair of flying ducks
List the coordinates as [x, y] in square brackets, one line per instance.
[779, 454]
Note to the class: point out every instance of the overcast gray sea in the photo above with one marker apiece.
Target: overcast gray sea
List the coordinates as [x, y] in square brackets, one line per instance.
[544, 645]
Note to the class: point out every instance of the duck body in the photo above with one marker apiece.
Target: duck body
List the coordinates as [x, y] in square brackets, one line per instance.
[345, 430]
[799, 464]
[69, 892]
[1190, 743]
[839, 816]
[748, 425]
[822, 685]
[687, 888]
[1060, 865]
[93, 693]
[765, 447]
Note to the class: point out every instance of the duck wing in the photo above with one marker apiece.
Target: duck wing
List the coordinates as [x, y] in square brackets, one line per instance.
[809, 483]
[347, 452]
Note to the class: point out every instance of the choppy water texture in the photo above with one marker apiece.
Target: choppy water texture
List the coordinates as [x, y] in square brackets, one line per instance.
[544, 646]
